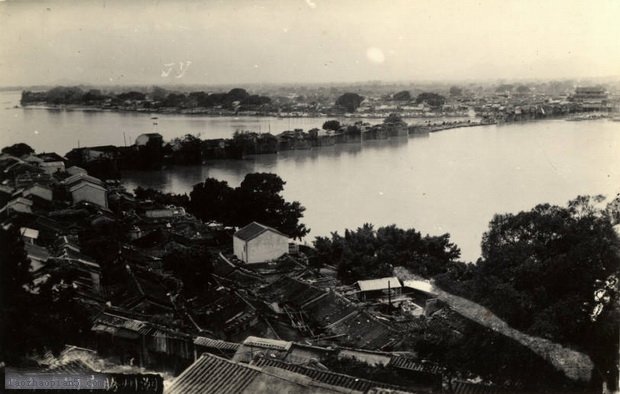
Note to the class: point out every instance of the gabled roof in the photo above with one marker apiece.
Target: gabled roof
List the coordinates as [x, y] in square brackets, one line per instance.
[80, 177]
[215, 375]
[82, 184]
[253, 230]
[328, 377]
[50, 157]
[74, 170]
[211, 374]
[379, 284]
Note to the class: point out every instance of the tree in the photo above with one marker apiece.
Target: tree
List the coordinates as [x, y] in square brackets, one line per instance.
[331, 125]
[432, 99]
[366, 253]
[349, 101]
[210, 200]
[456, 91]
[402, 96]
[539, 268]
[258, 198]
[53, 317]
[523, 89]
[18, 150]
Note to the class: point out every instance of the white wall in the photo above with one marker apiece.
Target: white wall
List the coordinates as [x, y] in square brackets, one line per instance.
[265, 247]
[90, 194]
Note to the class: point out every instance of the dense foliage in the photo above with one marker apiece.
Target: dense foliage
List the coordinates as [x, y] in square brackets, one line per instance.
[258, 198]
[368, 253]
[432, 99]
[18, 150]
[539, 270]
[349, 101]
[35, 321]
[402, 96]
[156, 98]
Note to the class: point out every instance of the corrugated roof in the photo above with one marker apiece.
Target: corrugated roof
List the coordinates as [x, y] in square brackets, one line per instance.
[214, 375]
[379, 284]
[253, 230]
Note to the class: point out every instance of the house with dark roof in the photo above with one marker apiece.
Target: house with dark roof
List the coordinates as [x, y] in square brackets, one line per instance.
[215, 375]
[257, 243]
[51, 162]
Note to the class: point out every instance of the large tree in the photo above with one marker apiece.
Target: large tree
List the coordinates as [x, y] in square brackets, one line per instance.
[258, 198]
[35, 321]
[349, 101]
[367, 253]
[18, 149]
[539, 269]
[432, 99]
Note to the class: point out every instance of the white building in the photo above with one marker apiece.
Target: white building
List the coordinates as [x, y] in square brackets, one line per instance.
[257, 243]
[90, 192]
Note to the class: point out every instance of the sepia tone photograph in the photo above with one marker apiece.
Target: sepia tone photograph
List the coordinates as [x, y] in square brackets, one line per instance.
[310, 196]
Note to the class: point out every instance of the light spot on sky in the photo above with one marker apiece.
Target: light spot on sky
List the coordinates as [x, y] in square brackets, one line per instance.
[311, 3]
[375, 55]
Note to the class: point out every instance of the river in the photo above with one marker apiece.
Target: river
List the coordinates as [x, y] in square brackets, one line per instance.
[453, 181]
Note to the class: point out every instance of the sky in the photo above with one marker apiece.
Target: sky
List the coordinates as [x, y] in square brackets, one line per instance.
[304, 41]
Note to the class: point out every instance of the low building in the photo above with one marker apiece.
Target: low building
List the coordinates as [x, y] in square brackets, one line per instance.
[20, 205]
[153, 138]
[212, 374]
[89, 192]
[377, 289]
[40, 191]
[257, 243]
[51, 162]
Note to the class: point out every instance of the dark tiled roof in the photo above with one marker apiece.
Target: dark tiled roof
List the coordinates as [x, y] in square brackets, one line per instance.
[214, 375]
[472, 388]
[414, 365]
[253, 230]
[326, 377]
[216, 344]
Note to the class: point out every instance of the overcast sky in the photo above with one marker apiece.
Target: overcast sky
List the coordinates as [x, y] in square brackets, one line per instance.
[242, 41]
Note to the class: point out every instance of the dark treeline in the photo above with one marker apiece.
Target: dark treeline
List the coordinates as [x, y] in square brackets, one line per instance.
[154, 99]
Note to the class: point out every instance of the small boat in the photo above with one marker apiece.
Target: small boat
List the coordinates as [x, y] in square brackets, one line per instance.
[154, 117]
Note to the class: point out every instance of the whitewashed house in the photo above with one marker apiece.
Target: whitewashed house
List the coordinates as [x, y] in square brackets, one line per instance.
[257, 243]
[90, 192]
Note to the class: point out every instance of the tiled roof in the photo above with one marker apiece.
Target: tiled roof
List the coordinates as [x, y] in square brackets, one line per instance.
[326, 377]
[414, 365]
[73, 367]
[267, 343]
[253, 230]
[214, 375]
[378, 284]
[216, 344]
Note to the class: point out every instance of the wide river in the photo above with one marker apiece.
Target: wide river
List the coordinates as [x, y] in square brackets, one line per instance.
[453, 181]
